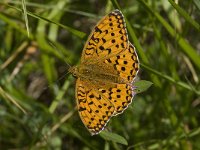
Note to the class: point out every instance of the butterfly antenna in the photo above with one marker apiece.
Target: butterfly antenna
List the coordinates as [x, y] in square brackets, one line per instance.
[60, 53]
[57, 81]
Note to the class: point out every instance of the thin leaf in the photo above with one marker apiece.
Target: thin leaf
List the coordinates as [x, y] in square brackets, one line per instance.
[186, 47]
[142, 85]
[25, 16]
[185, 15]
[7, 96]
[70, 29]
[113, 137]
[179, 83]
[197, 3]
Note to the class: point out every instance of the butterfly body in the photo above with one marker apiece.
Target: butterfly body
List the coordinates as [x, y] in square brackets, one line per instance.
[109, 64]
[97, 73]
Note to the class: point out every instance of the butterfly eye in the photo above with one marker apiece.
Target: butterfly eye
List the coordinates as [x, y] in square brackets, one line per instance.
[74, 74]
[74, 71]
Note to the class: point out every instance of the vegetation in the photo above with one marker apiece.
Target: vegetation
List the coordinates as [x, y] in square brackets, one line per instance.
[37, 98]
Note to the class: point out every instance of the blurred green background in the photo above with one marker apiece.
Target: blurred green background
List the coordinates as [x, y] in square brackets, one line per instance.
[40, 39]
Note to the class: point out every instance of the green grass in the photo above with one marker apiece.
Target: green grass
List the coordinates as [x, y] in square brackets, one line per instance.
[37, 96]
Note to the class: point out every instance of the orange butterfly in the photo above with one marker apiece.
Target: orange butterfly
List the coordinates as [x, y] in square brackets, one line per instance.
[109, 64]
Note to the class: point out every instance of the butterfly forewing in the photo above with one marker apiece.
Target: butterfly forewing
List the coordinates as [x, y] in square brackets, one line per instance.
[94, 110]
[107, 38]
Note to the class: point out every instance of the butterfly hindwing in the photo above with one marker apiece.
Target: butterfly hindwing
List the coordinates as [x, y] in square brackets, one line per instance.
[120, 96]
[127, 66]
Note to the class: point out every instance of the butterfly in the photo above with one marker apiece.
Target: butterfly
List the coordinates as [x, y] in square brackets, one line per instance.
[105, 76]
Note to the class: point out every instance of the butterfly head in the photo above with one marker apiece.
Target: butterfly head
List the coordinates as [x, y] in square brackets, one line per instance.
[74, 71]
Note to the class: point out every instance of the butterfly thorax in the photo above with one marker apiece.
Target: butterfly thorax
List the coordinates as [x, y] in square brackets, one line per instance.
[95, 72]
